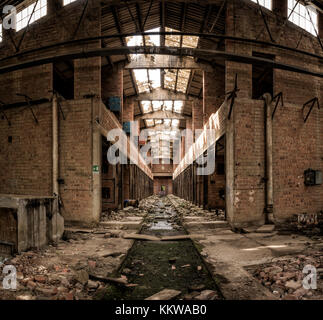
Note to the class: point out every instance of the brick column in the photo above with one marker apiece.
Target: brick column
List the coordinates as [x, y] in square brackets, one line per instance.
[112, 85]
[281, 7]
[128, 110]
[87, 77]
[197, 116]
[321, 25]
[213, 91]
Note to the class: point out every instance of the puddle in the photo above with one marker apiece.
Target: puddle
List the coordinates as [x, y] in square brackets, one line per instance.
[161, 225]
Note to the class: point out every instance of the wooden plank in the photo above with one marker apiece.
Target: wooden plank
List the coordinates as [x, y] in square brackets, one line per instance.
[166, 294]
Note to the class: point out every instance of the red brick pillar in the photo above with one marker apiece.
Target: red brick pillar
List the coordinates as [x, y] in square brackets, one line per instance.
[321, 25]
[281, 7]
[213, 91]
[112, 86]
[128, 110]
[197, 116]
[53, 6]
[87, 77]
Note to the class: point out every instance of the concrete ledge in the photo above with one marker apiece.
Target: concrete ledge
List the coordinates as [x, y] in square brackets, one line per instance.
[36, 222]
[206, 225]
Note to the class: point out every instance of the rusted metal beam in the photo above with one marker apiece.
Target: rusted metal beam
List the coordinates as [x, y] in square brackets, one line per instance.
[159, 115]
[132, 16]
[218, 15]
[81, 19]
[28, 100]
[165, 62]
[317, 35]
[162, 94]
[278, 98]
[206, 17]
[312, 102]
[162, 33]
[116, 19]
[204, 53]
[147, 15]
[280, 32]
[27, 27]
[265, 22]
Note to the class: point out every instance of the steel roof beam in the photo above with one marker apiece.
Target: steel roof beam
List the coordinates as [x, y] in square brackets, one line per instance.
[210, 54]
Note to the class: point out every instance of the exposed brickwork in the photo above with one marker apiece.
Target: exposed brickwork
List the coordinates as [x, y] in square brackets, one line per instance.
[296, 146]
[162, 168]
[213, 91]
[36, 82]
[26, 162]
[75, 166]
[87, 77]
[197, 116]
[163, 182]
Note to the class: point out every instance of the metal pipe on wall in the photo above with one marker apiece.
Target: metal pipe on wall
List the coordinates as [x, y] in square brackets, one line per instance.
[55, 144]
[268, 158]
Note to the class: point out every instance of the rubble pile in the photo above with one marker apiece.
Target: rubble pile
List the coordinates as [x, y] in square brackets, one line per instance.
[306, 224]
[186, 208]
[284, 278]
[68, 269]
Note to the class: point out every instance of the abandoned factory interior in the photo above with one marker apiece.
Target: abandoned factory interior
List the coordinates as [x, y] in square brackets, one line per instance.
[161, 150]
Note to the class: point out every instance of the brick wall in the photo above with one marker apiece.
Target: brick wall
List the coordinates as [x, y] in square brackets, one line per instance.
[36, 82]
[197, 116]
[216, 182]
[213, 91]
[159, 182]
[26, 162]
[297, 146]
[75, 165]
[162, 168]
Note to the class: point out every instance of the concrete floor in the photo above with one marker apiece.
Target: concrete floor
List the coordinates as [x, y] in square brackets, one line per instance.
[238, 262]
[229, 254]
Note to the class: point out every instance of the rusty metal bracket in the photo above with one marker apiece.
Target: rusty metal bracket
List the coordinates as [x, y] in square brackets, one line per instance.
[312, 102]
[28, 99]
[60, 109]
[233, 95]
[2, 111]
[265, 22]
[279, 98]
[58, 103]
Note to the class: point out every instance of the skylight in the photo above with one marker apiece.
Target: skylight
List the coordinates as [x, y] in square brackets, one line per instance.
[66, 2]
[156, 105]
[180, 41]
[149, 79]
[265, 3]
[27, 16]
[303, 16]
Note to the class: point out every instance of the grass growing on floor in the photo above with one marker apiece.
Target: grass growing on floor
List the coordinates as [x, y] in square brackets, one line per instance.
[150, 268]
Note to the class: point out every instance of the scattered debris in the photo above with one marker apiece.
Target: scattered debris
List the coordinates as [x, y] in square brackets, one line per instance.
[141, 237]
[166, 294]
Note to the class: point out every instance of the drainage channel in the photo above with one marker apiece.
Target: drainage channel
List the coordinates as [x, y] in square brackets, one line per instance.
[152, 266]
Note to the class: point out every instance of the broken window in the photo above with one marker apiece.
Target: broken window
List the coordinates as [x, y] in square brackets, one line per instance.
[31, 14]
[66, 2]
[262, 76]
[63, 79]
[174, 79]
[303, 16]
[265, 3]
[106, 193]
